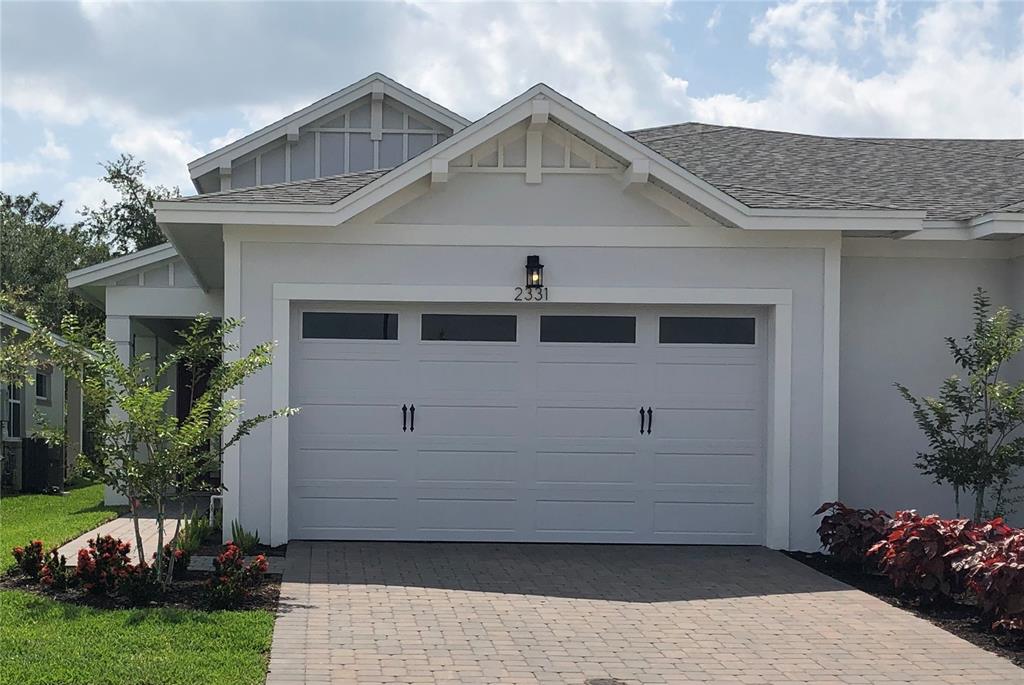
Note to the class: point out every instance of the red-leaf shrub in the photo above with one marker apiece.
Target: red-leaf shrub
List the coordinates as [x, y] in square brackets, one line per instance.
[997, 578]
[103, 564]
[849, 533]
[55, 574]
[139, 584]
[29, 558]
[232, 579]
[181, 561]
[918, 553]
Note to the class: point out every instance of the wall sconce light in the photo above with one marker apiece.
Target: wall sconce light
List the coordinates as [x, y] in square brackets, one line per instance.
[534, 272]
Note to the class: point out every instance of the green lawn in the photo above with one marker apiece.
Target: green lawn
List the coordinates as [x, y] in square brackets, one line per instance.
[53, 519]
[42, 641]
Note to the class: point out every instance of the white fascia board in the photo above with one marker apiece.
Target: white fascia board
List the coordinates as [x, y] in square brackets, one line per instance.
[119, 265]
[322, 108]
[997, 223]
[18, 323]
[185, 257]
[582, 123]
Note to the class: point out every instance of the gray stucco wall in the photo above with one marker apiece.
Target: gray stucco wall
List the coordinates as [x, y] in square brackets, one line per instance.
[895, 314]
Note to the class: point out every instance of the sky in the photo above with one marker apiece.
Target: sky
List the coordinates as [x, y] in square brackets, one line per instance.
[83, 82]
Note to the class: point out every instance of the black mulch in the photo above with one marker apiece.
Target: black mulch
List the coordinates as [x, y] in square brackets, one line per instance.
[187, 593]
[961, 618]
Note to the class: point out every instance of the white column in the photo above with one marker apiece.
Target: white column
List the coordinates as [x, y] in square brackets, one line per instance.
[119, 331]
[231, 470]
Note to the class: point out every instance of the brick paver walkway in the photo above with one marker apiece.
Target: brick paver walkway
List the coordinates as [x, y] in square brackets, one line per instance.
[490, 613]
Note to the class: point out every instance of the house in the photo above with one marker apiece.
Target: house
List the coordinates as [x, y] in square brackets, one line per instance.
[47, 396]
[536, 326]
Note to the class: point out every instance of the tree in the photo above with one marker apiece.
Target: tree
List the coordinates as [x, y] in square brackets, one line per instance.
[145, 454]
[37, 252]
[129, 224]
[19, 351]
[971, 425]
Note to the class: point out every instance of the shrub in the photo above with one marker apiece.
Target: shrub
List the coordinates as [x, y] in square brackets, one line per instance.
[919, 552]
[232, 579]
[245, 540]
[55, 573]
[103, 564]
[193, 532]
[849, 533]
[997, 578]
[29, 558]
[139, 584]
[182, 558]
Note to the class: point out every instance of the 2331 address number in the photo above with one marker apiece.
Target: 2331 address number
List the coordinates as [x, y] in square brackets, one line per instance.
[530, 294]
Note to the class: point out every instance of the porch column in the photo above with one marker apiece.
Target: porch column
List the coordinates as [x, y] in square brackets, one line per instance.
[73, 424]
[119, 331]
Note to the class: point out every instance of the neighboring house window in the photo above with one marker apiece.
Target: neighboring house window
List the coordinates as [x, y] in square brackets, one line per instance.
[42, 386]
[13, 411]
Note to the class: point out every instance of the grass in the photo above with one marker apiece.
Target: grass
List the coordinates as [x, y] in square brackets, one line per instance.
[43, 641]
[53, 519]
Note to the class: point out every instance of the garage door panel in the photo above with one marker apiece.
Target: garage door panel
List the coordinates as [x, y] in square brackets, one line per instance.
[319, 381]
[467, 514]
[586, 467]
[587, 422]
[717, 518]
[469, 376]
[724, 424]
[585, 515]
[468, 467]
[562, 378]
[346, 465]
[712, 379]
[341, 517]
[463, 420]
[348, 419]
[683, 469]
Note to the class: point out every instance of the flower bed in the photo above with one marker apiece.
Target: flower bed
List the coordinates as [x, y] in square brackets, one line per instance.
[966, 577]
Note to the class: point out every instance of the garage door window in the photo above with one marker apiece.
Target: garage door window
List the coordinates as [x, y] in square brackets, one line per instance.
[468, 327]
[588, 329]
[707, 330]
[349, 326]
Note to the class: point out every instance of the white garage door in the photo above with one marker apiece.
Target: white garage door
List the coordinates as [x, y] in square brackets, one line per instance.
[537, 424]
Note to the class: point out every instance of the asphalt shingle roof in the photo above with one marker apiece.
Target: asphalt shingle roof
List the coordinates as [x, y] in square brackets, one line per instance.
[316, 191]
[948, 179]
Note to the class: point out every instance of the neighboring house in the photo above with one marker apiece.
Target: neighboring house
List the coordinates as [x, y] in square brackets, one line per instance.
[710, 355]
[46, 396]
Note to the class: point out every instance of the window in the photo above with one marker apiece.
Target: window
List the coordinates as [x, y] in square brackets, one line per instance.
[588, 329]
[468, 327]
[13, 414]
[710, 330]
[43, 386]
[339, 326]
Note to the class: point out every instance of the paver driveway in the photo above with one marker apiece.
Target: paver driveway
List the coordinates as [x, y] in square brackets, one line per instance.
[513, 613]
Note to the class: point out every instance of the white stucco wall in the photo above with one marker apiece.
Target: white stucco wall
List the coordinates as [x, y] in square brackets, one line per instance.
[895, 313]
[673, 257]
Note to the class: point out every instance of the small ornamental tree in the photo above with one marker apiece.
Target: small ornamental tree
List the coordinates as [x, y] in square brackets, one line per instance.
[974, 443]
[142, 452]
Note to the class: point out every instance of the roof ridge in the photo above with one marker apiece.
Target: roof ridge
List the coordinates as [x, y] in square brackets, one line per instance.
[347, 174]
[910, 143]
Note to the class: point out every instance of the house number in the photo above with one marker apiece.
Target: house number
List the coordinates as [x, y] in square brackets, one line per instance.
[530, 294]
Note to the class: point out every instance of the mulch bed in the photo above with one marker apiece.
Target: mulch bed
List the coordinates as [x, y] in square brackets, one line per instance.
[213, 547]
[187, 593]
[962, 618]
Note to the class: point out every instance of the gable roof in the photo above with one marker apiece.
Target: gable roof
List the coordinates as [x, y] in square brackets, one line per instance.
[314, 191]
[948, 179]
[290, 124]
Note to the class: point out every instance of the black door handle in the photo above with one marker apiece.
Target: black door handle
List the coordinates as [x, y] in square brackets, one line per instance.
[404, 410]
[412, 417]
[641, 420]
[650, 419]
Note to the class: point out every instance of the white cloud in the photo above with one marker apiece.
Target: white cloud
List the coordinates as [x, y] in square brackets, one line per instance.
[230, 136]
[714, 19]
[949, 80]
[85, 191]
[53, 150]
[165, 149]
[15, 173]
[805, 23]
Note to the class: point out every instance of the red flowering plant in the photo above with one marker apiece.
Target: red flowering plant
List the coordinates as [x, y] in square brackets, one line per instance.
[181, 557]
[996, 577]
[55, 574]
[233, 581]
[103, 563]
[139, 584]
[849, 533]
[29, 559]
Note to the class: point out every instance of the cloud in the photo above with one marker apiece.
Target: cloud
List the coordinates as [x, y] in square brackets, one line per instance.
[51, 149]
[938, 76]
[716, 17]
[805, 23]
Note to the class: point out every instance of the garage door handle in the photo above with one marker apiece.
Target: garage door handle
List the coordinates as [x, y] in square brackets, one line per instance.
[405, 409]
[650, 420]
[412, 417]
[641, 420]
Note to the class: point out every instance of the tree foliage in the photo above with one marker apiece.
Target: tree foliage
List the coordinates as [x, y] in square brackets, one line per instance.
[145, 453]
[129, 224]
[973, 425]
